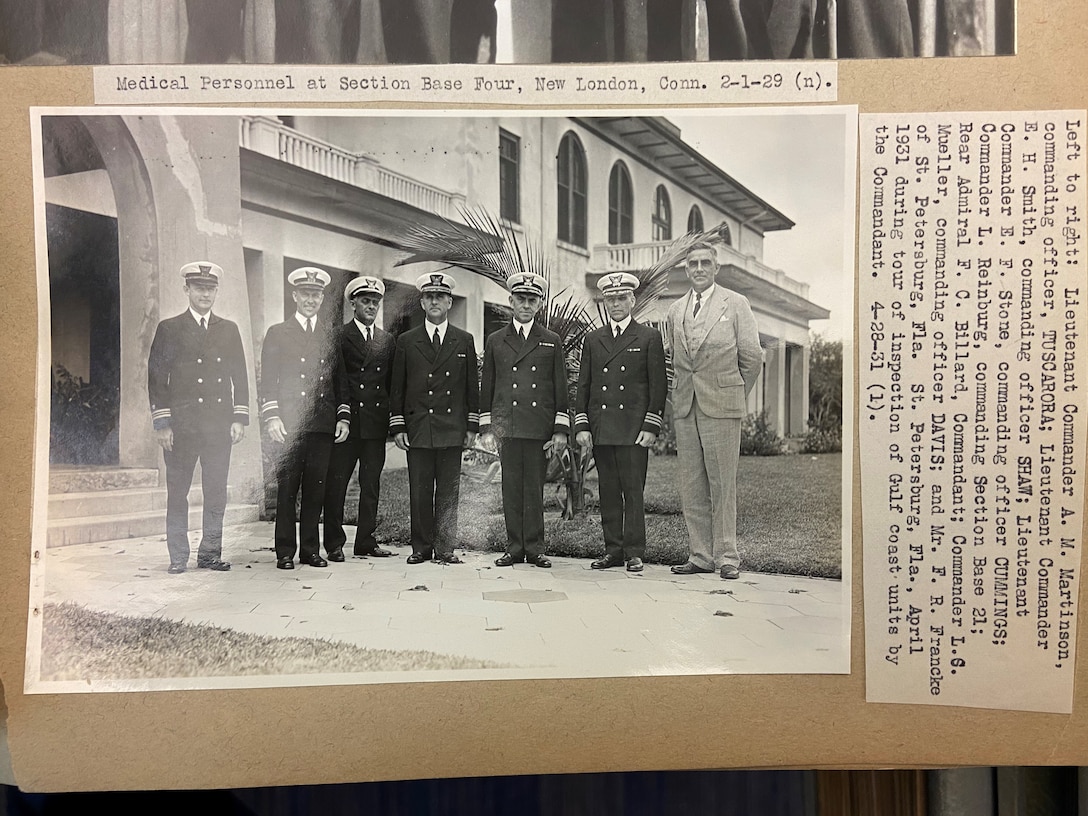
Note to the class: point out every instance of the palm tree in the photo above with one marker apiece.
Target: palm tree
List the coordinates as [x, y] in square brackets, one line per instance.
[489, 246]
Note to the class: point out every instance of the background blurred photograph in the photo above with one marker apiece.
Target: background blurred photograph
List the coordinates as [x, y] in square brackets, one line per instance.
[121, 32]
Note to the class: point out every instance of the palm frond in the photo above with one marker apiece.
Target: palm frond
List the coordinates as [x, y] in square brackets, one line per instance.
[654, 281]
[452, 244]
[482, 244]
[570, 319]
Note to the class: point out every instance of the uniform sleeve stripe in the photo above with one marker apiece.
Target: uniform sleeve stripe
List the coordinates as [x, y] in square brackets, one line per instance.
[473, 417]
[562, 419]
[162, 413]
[580, 419]
[241, 409]
[270, 407]
[396, 419]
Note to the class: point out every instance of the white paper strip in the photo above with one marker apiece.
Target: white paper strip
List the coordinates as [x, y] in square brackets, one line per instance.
[705, 83]
[972, 408]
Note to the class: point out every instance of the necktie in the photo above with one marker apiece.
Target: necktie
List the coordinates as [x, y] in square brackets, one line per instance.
[436, 341]
[368, 334]
[309, 325]
[698, 304]
[616, 328]
[203, 324]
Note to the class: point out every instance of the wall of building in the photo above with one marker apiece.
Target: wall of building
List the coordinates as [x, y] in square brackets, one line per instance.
[270, 239]
[461, 155]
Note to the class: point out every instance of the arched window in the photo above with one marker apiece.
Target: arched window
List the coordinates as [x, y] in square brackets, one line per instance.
[571, 172]
[662, 215]
[725, 234]
[621, 228]
[695, 219]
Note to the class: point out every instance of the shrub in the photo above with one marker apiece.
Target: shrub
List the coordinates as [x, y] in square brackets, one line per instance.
[758, 438]
[823, 440]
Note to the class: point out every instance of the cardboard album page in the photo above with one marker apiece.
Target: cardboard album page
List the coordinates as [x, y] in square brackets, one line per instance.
[292, 500]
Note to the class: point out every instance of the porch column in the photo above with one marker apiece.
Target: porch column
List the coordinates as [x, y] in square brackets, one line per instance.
[798, 385]
[146, 31]
[775, 391]
[264, 278]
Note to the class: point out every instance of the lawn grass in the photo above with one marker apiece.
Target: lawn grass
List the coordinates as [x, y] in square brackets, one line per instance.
[82, 644]
[788, 519]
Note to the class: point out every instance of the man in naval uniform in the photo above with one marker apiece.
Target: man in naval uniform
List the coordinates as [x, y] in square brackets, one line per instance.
[716, 359]
[622, 385]
[199, 392]
[434, 406]
[524, 404]
[367, 354]
[302, 414]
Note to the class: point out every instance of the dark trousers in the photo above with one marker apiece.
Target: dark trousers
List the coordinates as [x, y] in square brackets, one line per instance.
[211, 447]
[215, 31]
[524, 464]
[369, 454]
[303, 462]
[434, 486]
[622, 472]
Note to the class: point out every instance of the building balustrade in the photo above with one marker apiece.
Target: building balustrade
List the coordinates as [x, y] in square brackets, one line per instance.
[270, 137]
[628, 257]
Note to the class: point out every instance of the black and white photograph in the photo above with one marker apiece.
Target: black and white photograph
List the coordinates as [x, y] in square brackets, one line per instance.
[370, 32]
[334, 397]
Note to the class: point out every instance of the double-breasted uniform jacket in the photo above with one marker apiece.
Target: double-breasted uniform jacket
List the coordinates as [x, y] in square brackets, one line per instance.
[523, 392]
[367, 375]
[196, 378]
[622, 384]
[434, 397]
[299, 379]
[719, 362]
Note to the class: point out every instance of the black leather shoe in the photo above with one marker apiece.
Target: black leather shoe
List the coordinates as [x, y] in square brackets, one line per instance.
[634, 565]
[376, 552]
[688, 568]
[729, 572]
[606, 562]
[285, 563]
[417, 558]
[506, 560]
[176, 568]
[539, 561]
[314, 560]
[217, 564]
[336, 555]
[449, 559]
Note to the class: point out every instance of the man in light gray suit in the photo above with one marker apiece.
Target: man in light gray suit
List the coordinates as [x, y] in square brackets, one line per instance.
[716, 358]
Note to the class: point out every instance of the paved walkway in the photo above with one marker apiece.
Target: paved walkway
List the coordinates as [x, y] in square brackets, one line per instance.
[566, 621]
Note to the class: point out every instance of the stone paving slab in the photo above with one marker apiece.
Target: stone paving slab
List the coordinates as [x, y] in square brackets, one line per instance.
[569, 619]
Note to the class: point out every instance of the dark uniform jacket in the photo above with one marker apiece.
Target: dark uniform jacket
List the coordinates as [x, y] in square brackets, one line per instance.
[622, 384]
[434, 398]
[196, 378]
[299, 379]
[523, 394]
[368, 372]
